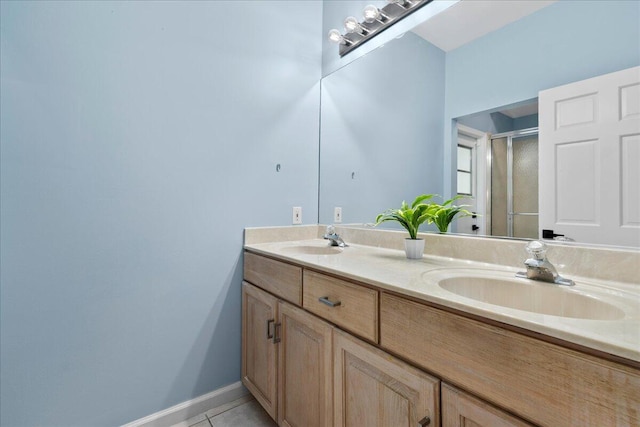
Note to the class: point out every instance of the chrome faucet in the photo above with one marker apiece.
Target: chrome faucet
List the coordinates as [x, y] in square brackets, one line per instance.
[539, 267]
[333, 237]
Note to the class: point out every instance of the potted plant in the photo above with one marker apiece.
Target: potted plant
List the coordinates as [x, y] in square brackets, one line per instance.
[443, 214]
[411, 217]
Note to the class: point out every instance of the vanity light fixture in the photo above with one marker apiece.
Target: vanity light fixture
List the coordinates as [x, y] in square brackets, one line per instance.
[375, 21]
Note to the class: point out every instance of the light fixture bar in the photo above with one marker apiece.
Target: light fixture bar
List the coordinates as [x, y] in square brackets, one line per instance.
[374, 23]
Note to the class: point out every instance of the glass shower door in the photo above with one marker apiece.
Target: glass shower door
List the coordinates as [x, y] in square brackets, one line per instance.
[514, 184]
[524, 214]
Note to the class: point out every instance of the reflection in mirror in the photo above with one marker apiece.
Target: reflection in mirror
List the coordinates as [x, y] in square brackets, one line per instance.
[381, 130]
[503, 164]
[393, 117]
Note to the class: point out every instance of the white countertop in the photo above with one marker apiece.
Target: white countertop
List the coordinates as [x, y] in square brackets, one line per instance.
[389, 269]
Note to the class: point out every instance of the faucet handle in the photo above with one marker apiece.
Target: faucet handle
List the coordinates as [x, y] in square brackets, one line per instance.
[330, 230]
[537, 249]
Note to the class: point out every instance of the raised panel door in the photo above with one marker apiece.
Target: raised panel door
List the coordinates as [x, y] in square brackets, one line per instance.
[372, 388]
[305, 367]
[589, 154]
[259, 352]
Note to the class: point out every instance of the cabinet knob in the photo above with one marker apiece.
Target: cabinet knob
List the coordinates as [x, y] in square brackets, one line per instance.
[424, 422]
[327, 301]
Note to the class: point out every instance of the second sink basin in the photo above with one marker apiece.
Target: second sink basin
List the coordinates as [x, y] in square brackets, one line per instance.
[528, 295]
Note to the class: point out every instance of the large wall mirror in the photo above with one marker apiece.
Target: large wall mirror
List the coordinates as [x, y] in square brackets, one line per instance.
[396, 121]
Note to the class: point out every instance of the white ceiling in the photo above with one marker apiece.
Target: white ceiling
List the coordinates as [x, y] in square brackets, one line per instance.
[468, 20]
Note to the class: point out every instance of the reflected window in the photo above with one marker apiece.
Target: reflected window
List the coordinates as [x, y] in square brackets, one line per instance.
[464, 170]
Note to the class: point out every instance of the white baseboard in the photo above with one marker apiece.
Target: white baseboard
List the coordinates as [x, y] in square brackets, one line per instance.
[189, 409]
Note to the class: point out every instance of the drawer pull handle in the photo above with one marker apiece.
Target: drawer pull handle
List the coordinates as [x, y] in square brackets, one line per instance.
[326, 300]
[269, 333]
[424, 422]
[276, 333]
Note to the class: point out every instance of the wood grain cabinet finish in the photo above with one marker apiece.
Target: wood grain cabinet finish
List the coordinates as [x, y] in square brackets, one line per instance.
[286, 360]
[374, 389]
[279, 278]
[304, 370]
[348, 305]
[542, 382]
[460, 409]
[259, 352]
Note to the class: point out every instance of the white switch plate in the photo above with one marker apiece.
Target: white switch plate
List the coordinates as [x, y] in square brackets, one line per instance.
[337, 214]
[297, 215]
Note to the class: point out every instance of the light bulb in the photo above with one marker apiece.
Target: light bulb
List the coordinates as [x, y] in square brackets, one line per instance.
[371, 13]
[351, 24]
[335, 36]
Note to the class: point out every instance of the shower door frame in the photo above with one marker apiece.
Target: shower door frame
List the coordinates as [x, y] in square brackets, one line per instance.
[510, 213]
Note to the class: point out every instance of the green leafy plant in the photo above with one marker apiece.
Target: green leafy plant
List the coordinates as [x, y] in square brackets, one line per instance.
[443, 214]
[410, 217]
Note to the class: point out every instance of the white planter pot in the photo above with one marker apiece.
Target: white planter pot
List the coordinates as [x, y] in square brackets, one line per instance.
[414, 248]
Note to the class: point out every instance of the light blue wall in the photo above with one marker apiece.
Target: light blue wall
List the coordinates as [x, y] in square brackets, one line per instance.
[395, 152]
[565, 42]
[138, 139]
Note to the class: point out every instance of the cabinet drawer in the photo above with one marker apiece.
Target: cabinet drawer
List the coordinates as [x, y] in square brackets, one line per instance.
[281, 279]
[353, 307]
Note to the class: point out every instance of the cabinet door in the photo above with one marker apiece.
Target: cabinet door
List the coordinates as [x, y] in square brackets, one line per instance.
[259, 352]
[372, 388]
[463, 410]
[304, 374]
[590, 142]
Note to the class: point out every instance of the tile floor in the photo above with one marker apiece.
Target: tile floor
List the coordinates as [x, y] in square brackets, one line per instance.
[243, 412]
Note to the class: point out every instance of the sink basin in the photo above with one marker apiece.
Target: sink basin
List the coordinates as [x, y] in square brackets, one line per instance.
[313, 250]
[529, 295]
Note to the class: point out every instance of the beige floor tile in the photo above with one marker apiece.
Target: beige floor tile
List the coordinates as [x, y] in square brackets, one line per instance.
[249, 414]
[224, 408]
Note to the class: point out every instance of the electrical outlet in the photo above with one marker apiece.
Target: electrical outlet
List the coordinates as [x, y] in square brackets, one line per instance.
[337, 215]
[297, 215]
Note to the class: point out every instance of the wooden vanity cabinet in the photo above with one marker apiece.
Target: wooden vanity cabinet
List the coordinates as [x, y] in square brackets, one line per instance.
[306, 372]
[286, 360]
[320, 373]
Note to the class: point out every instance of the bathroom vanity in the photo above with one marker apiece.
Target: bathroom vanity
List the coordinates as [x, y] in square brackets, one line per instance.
[362, 336]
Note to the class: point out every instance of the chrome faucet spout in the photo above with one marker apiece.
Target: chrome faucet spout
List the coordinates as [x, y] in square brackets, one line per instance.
[333, 237]
[539, 267]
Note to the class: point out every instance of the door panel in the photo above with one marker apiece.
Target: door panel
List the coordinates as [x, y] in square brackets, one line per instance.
[304, 375]
[259, 352]
[589, 155]
[372, 388]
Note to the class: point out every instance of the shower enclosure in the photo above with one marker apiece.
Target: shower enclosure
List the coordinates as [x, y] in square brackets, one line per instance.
[513, 190]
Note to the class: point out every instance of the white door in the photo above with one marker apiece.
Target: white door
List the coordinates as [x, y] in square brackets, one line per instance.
[471, 179]
[589, 148]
